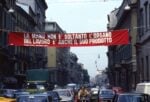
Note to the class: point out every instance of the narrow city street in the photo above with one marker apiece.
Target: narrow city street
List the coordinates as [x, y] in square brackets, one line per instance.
[74, 51]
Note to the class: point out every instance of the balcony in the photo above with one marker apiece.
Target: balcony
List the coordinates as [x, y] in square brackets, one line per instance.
[117, 66]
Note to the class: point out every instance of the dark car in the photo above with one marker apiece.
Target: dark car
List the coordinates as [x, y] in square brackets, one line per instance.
[131, 97]
[106, 95]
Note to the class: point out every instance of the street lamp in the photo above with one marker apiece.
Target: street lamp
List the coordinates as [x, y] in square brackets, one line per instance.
[11, 10]
[127, 7]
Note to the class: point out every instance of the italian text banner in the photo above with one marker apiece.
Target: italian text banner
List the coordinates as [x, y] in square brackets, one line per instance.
[116, 37]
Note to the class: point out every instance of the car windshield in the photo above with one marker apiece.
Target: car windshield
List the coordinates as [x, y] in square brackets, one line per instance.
[32, 99]
[32, 86]
[41, 87]
[36, 86]
[106, 92]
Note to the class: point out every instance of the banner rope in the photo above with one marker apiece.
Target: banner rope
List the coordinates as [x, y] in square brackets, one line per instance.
[5, 30]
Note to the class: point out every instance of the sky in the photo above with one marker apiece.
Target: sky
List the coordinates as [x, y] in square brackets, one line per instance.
[81, 16]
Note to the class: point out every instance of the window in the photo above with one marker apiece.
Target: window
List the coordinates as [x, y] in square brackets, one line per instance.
[147, 67]
[141, 24]
[146, 15]
[149, 17]
[1, 12]
[142, 68]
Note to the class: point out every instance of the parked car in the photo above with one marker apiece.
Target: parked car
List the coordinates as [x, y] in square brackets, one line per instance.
[143, 88]
[65, 94]
[106, 95]
[131, 97]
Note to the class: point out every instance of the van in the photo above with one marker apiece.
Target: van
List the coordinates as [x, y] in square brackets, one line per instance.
[143, 88]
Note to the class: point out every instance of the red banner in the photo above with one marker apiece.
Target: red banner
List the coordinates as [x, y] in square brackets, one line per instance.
[116, 37]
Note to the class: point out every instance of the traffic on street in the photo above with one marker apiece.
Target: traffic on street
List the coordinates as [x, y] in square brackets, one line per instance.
[74, 51]
[74, 93]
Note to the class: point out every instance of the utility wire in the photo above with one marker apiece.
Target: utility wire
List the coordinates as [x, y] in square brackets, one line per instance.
[80, 1]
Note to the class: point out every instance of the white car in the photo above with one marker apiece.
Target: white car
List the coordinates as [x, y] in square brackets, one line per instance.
[65, 95]
[143, 88]
[94, 90]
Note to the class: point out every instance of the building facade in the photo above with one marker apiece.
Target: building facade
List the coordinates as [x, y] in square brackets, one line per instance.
[122, 69]
[143, 42]
[63, 63]
[7, 24]
[24, 55]
[77, 71]
[58, 58]
[14, 61]
[36, 9]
